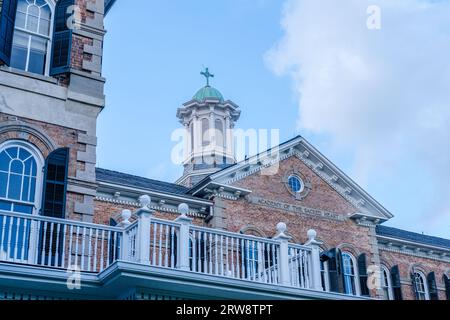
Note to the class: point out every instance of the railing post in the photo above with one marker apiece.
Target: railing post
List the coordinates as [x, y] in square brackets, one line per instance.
[315, 272]
[183, 239]
[143, 233]
[283, 258]
[125, 242]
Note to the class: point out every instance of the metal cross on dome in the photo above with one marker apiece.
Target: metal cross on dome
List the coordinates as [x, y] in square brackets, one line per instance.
[207, 75]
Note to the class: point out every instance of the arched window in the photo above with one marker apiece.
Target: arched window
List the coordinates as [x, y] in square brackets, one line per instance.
[191, 134]
[20, 174]
[446, 280]
[205, 132]
[386, 283]
[32, 36]
[420, 286]
[350, 274]
[220, 138]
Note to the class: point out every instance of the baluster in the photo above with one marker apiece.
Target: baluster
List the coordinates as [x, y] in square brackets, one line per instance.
[155, 230]
[166, 254]
[270, 263]
[102, 252]
[210, 254]
[63, 249]
[243, 263]
[44, 241]
[2, 242]
[90, 249]
[221, 255]
[58, 229]
[302, 268]
[172, 248]
[50, 244]
[94, 267]
[16, 245]
[205, 252]
[160, 248]
[77, 232]
[233, 268]
[276, 261]
[26, 224]
[108, 248]
[83, 248]
[262, 272]
[70, 246]
[194, 251]
[8, 243]
[199, 250]
[216, 265]
[226, 256]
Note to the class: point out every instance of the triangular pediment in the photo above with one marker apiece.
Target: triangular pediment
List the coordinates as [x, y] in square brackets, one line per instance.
[226, 182]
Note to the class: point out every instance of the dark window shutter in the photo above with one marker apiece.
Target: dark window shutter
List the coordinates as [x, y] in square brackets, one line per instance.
[62, 38]
[335, 270]
[396, 284]
[362, 271]
[446, 280]
[55, 184]
[8, 10]
[432, 288]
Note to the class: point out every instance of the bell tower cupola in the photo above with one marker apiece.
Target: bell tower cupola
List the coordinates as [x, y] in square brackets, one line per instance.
[209, 120]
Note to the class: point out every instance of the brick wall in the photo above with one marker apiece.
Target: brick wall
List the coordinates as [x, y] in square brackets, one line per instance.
[104, 211]
[61, 137]
[405, 264]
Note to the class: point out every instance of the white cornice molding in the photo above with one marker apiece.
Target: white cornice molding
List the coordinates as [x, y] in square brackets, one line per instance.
[406, 252]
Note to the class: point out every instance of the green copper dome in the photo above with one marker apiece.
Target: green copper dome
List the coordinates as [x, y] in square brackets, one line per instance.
[208, 92]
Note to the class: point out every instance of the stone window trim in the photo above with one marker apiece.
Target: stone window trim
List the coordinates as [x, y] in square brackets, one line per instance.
[351, 249]
[423, 282]
[418, 267]
[48, 38]
[40, 162]
[355, 274]
[249, 229]
[306, 184]
[384, 269]
[21, 129]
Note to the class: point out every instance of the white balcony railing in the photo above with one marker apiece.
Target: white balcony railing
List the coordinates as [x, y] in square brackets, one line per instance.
[64, 244]
[57, 243]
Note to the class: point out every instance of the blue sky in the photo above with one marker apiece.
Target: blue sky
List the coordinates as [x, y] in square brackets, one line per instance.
[304, 67]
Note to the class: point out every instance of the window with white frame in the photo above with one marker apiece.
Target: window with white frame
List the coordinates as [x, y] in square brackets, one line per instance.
[20, 178]
[350, 274]
[421, 287]
[386, 284]
[32, 36]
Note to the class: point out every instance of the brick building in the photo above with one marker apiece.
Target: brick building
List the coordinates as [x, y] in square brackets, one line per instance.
[225, 229]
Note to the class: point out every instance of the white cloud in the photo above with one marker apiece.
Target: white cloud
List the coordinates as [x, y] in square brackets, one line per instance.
[385, 93]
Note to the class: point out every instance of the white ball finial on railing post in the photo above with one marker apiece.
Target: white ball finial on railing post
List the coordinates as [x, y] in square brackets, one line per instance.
[281, 228]
[144, 201]
[126, 215]
[183, 208]
[312, 234]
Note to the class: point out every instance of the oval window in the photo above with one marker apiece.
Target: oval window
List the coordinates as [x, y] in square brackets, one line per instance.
[295, 184]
